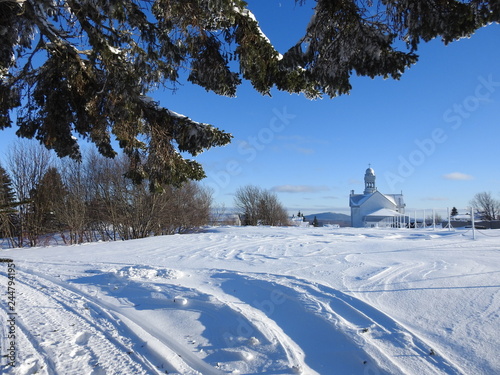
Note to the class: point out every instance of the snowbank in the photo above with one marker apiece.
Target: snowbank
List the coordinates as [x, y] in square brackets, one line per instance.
[238, 300]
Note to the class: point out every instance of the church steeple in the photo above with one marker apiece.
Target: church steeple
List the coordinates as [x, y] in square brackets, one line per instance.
[370, 181]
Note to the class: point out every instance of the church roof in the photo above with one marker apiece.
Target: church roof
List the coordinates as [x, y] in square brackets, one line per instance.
[359, 199]
[397, 199]
[385, 212]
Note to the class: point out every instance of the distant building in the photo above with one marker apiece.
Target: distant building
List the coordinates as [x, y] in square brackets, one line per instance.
[374, 209]
[461, 217]
[298, 221]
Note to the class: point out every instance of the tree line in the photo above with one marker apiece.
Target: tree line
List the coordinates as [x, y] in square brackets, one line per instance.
[92, 200]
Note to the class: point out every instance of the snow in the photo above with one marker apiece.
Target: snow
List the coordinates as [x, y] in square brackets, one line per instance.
[385, 212]
[248, 14]
[260, 300]
[114, 50]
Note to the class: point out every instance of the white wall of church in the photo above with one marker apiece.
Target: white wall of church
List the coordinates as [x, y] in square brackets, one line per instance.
[356, 218]
[376, 202]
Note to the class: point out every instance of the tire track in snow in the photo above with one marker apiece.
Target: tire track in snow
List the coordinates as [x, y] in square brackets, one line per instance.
[358, 335]
[238, 251]
[31, 357]
[393, 340]
[228, 353]
[424, 276]
[156, 347]
[161, 348]
[69, 341]
[410, 353]
[105, 323]
[261, 353]
[312, 338]
[255, 327]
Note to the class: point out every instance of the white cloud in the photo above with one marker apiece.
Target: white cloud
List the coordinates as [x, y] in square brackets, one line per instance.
[458, 176]
[298, 189]
[438, 199]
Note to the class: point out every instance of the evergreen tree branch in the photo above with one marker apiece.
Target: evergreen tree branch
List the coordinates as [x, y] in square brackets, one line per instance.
[105, 57]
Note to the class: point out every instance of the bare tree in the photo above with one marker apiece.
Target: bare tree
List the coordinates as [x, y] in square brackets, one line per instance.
[27, 162]
[246, 201]
[73, 206]
[188, 208]
[260, 206]
[100, 174]
[487, 205]
[271, 211]
[203, 201]
[138, 211]
[116, 195]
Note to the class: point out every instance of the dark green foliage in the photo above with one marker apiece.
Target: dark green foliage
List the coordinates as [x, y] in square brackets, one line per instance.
[315, 222]
[7, 205]
[81, 67]
[7, 196]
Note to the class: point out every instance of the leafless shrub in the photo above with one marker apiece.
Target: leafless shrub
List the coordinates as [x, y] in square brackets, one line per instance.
[258, 206]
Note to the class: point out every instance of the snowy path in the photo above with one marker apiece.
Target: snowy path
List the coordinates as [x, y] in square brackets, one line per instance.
[70, 332]
[260, 301]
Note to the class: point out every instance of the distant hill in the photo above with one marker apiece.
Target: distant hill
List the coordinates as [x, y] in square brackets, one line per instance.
[330, 218]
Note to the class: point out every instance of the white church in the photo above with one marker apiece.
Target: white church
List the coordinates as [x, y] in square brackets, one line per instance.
[374, 209]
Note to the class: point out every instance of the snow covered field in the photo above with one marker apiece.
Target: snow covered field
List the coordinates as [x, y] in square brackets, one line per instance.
[258, 300]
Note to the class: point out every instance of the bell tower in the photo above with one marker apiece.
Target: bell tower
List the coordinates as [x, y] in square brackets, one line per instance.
[370, 181]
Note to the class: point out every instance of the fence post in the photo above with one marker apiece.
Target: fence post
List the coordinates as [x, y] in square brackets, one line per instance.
[473, 224]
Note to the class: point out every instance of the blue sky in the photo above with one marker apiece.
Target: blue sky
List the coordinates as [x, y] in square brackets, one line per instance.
[434, 134]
